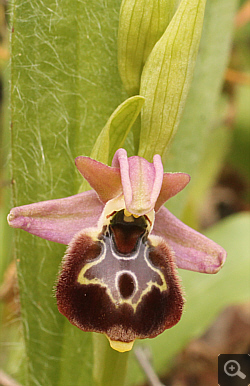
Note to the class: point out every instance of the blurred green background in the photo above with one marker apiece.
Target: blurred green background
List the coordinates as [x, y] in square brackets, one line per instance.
[212, 144]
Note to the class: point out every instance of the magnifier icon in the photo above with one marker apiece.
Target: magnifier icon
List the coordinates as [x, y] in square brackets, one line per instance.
[232, 368]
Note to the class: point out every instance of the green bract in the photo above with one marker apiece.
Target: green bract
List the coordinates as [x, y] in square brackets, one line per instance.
[167, 76]
[115, 131]
[141, 24]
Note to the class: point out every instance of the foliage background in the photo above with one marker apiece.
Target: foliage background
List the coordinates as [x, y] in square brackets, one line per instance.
[64, 86]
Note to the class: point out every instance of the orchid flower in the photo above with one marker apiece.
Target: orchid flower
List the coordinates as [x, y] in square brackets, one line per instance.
[118, 276]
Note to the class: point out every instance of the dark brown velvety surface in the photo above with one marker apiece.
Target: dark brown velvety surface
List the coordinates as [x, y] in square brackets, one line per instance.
[91, 309]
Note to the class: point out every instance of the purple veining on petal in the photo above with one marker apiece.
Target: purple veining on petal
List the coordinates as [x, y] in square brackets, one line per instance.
[193, 251]
[58, 220]
[172, 184]
[105, 180]
[141, 181]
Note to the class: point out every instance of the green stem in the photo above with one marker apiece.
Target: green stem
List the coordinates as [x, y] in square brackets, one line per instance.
[110, 366]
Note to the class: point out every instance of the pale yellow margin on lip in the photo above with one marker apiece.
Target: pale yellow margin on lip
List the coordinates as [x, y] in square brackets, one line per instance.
[120, 346]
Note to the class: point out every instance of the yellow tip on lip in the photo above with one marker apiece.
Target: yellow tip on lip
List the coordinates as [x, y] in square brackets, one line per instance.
[121, 346]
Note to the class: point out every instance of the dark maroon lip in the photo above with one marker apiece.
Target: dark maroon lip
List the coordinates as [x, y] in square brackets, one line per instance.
[130, 295]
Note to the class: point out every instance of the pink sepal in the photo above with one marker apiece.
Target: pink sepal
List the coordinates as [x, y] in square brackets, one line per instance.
[193, 251]
[58, 220]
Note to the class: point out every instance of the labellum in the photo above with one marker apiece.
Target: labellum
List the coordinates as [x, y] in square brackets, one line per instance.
[120, 282]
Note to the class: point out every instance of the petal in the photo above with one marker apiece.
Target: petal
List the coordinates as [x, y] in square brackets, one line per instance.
[172, 184]
[58, 220]
[193, 251]
[105, 180]
[141, 181]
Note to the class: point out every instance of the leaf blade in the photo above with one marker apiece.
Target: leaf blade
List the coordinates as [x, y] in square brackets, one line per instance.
[59, 90]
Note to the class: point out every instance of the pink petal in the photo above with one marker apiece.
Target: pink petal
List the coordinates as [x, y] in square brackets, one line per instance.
[105, 180]
[58, 220]
[193, 251]
[141, 181]
[172, 184]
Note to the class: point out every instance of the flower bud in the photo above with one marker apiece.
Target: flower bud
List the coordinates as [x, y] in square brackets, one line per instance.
[167, 76]
[142, 23]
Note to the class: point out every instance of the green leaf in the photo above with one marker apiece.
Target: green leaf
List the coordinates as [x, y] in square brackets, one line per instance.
[141, 24]
[206, 295]
[64, 86]
[166, 78]
[115, 131]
